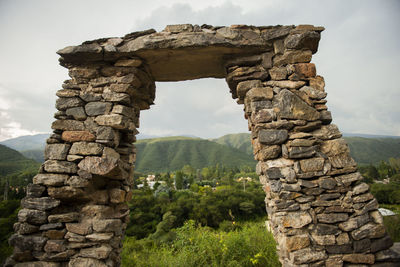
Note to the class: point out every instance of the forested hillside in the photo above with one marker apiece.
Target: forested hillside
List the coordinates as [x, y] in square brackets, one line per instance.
[172, 153]
[11, 161]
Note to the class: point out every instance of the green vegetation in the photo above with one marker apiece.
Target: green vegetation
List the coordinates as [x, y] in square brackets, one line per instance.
[12, 161]
[213, 197]
[373, 150]
[35, 154]
[241, 141]
[172, 153]
[194, 245]
[8, 216]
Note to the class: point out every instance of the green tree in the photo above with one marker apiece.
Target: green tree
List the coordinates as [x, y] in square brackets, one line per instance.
[178, 180]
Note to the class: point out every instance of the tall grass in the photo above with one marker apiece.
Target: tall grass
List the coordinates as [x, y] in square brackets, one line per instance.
[249, 245]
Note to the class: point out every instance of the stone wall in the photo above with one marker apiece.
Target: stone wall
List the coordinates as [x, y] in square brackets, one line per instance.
[321, 213]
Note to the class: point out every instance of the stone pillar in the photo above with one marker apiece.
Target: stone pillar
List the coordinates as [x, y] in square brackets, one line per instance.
[75, 212]
[320, 212]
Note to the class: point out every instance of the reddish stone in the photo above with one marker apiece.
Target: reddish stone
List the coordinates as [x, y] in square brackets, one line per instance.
[305, 70]
[74, 136]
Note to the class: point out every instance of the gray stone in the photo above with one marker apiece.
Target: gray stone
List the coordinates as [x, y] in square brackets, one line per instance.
[50, 179]
[348, 179]
[97, 108]
[50, 226]
[101, 252]
[274, 173]
[58, 166]
[305, 40]
[275, 185]
[86, 262]
[359, 258]
[256, 106]
[36, 217]
[325, 229]
[324, 240]
[35, 190]
[100, 237]
[42, 203]
[332, 217]
[56, 151]
[68, 193]
[339, 249]
[269, 152]
[307, 255]
[86, 148]
[121, 98]
[369, 230]
[292, 107]
[327, 183]
[354, 223]
[299, 152]
[312, 165]
[263, 115]
[55, 246]
[113, 120]
[108, 225]
[313, 93]
[286, 84]
[359, 189]
[25, 228]
[296, 219]
[362, 245]
[245, 86]
[78, 113]
[326, 117]
[68, 125]
[272, 137]
[32, 243]
[278, 73]
[292, 56]
[90, 97]
[123, 110]
[363, 198]
[70, 102]
[79, 228]
[334, 147]
[327, 132]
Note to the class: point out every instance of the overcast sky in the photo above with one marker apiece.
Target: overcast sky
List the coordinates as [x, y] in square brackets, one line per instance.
[358, 56]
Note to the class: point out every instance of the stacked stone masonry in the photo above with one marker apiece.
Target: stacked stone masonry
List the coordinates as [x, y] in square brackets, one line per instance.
[320, 211]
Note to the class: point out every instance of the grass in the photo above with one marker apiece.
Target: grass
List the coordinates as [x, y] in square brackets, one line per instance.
[249, 245]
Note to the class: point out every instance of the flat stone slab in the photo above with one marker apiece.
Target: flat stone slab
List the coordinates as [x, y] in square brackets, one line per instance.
[183, 52]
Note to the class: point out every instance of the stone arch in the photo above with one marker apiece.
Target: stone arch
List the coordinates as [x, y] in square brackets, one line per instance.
[75, 212]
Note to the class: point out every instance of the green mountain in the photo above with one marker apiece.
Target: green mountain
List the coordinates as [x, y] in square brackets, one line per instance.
[172, 153]
[364, 150]
[12, 161]
[241, 141]
[373, 150]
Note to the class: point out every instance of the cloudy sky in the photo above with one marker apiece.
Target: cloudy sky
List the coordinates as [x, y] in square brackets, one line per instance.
[358, 56]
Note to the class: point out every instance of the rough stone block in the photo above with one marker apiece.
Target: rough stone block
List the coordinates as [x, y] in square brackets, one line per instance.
[85, 149]
[272, 137]
[58, 166]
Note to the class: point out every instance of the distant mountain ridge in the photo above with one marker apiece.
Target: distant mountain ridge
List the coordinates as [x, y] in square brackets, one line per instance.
[153, 151]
